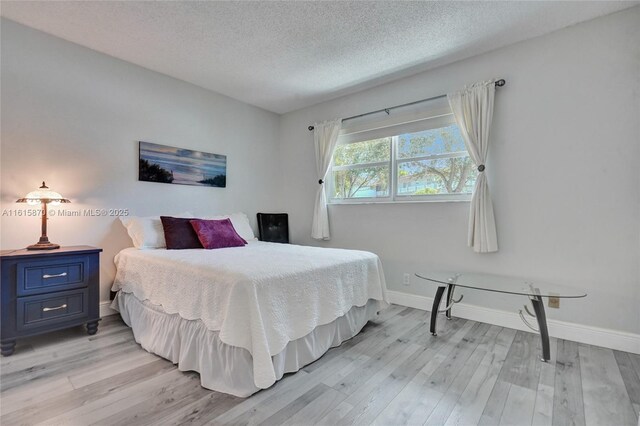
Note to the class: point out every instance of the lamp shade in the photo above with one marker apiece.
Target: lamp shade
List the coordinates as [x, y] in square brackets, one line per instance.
[43, 195]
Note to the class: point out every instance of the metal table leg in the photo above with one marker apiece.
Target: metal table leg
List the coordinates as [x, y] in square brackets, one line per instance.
[541, 317]
[434, 309]
[538, 307]
[450, 289]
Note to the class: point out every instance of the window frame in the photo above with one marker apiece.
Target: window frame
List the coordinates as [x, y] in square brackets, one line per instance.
[393, 163]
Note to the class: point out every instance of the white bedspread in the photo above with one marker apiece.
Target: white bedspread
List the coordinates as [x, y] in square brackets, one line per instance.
[259, 297]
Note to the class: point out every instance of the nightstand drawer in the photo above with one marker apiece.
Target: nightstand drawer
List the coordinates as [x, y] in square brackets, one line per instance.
[46, 309]
[64, 273]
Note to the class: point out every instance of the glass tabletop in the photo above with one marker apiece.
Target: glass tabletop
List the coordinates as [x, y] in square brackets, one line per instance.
[501, 284]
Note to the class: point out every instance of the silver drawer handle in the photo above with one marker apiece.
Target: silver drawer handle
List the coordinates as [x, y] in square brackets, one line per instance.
[53, 309]
[45, 276]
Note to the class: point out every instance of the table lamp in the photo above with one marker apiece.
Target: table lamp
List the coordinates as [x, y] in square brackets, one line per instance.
[44, 196]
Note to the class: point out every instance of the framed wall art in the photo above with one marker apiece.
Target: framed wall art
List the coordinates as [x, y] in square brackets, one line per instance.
[167, 164]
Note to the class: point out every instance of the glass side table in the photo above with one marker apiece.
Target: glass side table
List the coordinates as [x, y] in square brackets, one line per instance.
[534, 290]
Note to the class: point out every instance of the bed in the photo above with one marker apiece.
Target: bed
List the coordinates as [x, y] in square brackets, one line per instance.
[244, 316]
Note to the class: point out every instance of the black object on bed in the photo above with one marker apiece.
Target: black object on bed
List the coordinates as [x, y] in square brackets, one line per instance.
[274, 227]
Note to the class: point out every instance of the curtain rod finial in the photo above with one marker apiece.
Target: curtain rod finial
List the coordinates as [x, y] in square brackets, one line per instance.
[311, 128]
[501, 82]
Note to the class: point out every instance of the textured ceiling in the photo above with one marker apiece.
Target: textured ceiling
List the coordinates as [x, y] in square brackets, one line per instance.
[283, 56]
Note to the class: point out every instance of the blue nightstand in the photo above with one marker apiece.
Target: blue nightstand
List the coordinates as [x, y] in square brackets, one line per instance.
[43, 291]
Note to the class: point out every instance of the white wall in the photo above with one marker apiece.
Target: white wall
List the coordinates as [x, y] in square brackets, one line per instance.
[73, 116]
[563, 172]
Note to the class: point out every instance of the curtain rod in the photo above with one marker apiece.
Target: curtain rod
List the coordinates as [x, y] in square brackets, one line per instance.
[498, 83]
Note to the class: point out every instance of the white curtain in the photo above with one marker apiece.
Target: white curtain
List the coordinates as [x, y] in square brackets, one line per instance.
[473, 110]
[325, 137]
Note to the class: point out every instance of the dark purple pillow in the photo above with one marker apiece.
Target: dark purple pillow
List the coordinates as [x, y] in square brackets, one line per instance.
[179, 234]
[214, 234]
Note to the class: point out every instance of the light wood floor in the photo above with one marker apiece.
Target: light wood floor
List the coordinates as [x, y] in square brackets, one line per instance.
[392, 373]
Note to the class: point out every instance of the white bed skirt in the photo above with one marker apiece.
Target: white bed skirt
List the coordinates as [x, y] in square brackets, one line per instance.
[225, 368]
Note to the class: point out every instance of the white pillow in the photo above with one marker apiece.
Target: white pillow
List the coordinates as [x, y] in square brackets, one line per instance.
[147, 232]
[240, 222]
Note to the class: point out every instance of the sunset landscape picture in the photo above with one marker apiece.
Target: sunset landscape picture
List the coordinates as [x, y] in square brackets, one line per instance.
[167, 164]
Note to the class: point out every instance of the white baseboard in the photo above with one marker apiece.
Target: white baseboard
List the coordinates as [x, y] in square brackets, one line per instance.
[619, 340]
[105, 310]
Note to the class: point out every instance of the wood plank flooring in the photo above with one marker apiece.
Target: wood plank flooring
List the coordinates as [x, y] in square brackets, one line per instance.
[392, 373]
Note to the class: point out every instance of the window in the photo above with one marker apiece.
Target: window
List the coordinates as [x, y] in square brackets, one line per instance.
[423, 160]
[362, 169]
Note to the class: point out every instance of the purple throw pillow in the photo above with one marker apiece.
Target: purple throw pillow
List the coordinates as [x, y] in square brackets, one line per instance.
[214, 234]
[179, 233]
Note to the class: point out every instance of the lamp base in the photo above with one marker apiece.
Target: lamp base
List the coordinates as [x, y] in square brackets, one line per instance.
[43, 246]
